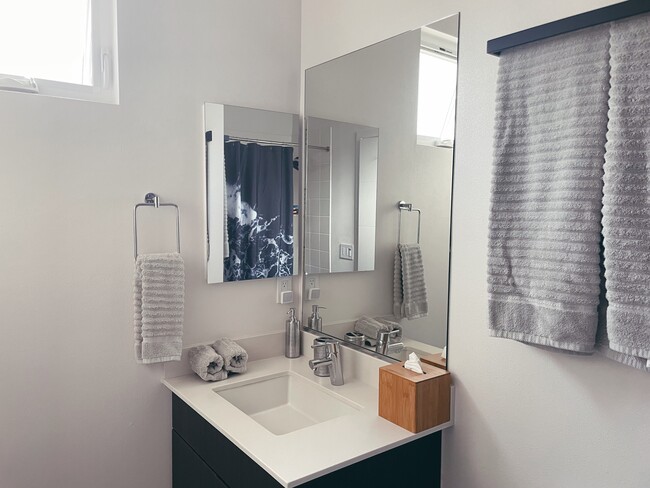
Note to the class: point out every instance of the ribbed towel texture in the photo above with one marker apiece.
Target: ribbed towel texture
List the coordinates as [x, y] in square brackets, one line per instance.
[234, 356]
[626, 202]
[207, 363]
[409, 287]
[159, 290]
[370, 327]
[545, 213]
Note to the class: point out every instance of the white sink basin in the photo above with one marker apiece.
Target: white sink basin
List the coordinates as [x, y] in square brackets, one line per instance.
[286, 402]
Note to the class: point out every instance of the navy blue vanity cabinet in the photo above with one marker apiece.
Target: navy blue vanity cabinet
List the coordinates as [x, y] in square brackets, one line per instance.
[204, 458]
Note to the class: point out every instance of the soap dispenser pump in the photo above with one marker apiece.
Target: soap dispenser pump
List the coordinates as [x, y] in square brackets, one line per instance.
[292, 335]
[315, 321]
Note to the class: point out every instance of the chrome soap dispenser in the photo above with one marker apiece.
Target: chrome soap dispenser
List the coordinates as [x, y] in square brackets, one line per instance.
[315, 321]
[292, 335]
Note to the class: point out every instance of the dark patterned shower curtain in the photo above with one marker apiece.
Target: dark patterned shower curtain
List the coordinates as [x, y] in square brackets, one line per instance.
[259, 193]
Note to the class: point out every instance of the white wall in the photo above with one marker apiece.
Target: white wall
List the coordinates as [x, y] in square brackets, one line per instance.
[76, 410]
[525, 417]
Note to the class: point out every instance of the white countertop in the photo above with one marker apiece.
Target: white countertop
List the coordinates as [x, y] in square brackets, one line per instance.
[302, 455]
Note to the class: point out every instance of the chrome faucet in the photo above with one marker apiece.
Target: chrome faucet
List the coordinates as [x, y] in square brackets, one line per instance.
[384, 345]
[332, 360]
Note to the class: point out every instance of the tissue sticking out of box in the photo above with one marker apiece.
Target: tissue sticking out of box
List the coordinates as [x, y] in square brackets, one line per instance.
[413, 363]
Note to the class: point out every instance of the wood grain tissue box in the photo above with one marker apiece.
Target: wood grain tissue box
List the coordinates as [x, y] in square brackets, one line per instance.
[414, 401]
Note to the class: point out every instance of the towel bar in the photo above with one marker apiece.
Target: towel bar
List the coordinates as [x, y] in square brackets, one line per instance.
[153, 200]
[407, 207]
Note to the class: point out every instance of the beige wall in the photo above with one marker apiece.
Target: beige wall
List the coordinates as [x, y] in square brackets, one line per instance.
[76, 410]
[525, 417]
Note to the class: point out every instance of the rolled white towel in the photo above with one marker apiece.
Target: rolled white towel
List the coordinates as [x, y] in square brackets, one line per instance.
[234, 356]
[370, 327]
[207, 363]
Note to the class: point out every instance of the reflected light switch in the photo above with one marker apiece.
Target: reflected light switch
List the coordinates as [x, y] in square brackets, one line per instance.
[346, 251]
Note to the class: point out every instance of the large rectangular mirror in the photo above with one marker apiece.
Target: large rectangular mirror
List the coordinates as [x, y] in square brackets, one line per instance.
[378, 182]
[252, 199]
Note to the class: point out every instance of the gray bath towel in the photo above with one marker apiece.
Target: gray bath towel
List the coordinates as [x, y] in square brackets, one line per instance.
[370, 327]
[159, 290]
[207, 363]
[626, 201]
[409, 287]
[544, 240]
[234, 356]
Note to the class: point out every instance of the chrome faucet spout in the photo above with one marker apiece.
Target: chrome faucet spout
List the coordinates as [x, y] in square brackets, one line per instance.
[332, 360]
[383, 345]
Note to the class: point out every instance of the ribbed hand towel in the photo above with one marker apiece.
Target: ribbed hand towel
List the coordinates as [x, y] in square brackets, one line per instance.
[207, 363]
[159, 289]
[626, 201]
[409, 287]
[545, 214]
[235, 358]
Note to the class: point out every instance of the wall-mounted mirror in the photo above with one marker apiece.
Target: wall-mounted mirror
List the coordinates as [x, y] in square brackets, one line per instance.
[380, 131]
[252, 182]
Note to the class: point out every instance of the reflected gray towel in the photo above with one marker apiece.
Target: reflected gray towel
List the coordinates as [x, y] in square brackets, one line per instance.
[544, 241]
[370, 327]
[159, 290]
[207, 363]
[409, 288]
[234, 356]
[626, 202]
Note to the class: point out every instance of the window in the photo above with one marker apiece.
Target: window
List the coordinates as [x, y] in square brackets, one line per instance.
[63, 49]
[437, 90]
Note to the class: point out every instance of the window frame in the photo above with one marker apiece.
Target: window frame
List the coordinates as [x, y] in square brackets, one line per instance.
[438, 44]
[104, 70]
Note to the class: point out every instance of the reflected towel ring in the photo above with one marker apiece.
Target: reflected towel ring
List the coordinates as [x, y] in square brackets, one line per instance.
[153, 200]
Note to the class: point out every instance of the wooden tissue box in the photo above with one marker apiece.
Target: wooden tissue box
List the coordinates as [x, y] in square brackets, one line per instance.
[414, 401]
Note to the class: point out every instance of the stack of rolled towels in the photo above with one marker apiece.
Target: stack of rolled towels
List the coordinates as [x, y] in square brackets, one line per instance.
[370, 326]
[216, 361]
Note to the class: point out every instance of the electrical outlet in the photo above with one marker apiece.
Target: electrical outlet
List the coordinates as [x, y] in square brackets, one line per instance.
[284, 285]
[312, 287]
[311, 281]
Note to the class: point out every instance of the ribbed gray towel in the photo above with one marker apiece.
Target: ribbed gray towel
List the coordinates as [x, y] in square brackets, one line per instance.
[544, 240]
[626, 201]
[207, 363]
[159, 291]
[370, 327]
[234, 356]
[409, 287]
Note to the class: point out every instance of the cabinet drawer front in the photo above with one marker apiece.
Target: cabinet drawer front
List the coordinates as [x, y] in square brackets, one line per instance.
[234, 467]
[189, 470]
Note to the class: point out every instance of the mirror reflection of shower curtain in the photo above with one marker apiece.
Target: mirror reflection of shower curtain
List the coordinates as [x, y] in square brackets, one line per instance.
[259, 194]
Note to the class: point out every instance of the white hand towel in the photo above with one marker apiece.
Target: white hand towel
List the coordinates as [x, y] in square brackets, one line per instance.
[159, 290]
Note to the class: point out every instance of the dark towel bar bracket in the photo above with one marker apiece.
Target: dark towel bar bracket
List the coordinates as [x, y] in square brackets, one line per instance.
[576, 22]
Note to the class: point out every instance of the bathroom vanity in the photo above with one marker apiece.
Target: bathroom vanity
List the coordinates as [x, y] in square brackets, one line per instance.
[280, 425]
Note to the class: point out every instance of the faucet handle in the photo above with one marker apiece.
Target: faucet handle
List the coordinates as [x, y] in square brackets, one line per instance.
[384, 334]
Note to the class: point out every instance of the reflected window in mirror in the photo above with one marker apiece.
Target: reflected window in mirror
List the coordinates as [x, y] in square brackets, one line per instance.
[437, 87]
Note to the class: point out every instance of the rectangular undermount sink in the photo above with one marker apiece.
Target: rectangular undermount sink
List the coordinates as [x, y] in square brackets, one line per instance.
[286, 402]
